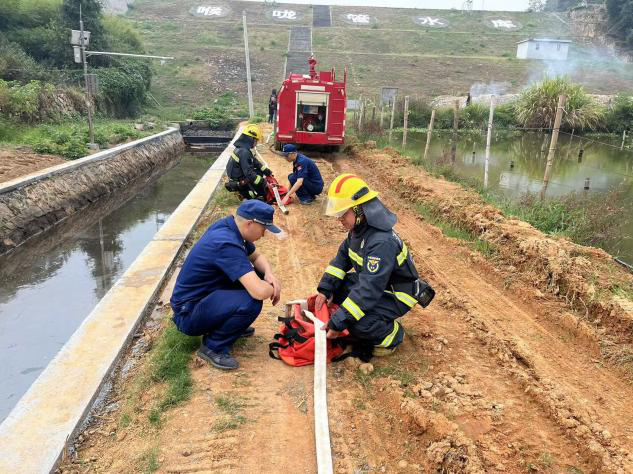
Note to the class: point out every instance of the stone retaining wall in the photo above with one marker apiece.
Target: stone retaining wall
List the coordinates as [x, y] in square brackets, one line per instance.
[32, 204]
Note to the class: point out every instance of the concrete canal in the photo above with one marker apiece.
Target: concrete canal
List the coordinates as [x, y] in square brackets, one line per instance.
[52, 282]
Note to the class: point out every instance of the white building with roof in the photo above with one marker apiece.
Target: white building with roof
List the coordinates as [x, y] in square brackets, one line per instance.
[548, 49]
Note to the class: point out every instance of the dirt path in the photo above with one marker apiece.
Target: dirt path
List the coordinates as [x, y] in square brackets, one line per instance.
[489, 378]
[15, 162]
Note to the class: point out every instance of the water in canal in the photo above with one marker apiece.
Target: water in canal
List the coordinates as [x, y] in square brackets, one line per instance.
[51, 283]
[517, 166]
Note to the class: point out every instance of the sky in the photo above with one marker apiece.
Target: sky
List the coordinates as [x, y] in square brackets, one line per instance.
[493, 5]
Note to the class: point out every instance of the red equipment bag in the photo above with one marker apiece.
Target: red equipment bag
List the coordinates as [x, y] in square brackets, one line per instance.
[270, 194]
[295, 342]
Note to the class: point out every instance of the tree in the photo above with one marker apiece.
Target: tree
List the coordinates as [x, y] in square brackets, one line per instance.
[8, 13]
[536, 5]
[90, 12]
[620, 14]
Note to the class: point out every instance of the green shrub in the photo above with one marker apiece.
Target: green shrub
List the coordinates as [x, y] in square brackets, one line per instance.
[21, 102]
[620, 116]
[475, 116]
[123, 89]
[505, 116]
[220, 114]
[536, 106]
[121, 36]
[16, 65]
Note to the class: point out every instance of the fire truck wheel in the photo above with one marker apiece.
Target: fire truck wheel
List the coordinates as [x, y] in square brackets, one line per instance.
[278, 146]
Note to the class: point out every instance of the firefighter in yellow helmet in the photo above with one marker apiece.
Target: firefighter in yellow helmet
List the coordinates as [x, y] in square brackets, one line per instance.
[384, 285]
[246, 174]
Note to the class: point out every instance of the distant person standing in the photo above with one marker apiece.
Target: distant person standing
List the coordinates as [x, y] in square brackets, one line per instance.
[305, 180]
[272, 106]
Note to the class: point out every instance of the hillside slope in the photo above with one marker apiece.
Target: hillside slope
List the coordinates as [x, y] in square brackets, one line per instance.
[396, 47]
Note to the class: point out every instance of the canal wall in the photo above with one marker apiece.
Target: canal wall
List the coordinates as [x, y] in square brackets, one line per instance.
[34, 436]
[31, 204]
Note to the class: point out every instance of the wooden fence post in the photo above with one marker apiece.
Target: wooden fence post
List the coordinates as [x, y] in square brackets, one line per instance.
[429, 132]
[455, 128]
[489, 139]
[406, 122]
[552, 147]
[393, 109]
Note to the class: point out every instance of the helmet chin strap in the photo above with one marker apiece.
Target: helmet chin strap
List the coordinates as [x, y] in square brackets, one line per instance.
[360, 215]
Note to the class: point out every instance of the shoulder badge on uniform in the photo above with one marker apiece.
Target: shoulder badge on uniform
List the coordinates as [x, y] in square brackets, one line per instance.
[373, 264]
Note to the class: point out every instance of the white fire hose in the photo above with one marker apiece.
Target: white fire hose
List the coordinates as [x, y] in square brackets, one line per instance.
[321, 426]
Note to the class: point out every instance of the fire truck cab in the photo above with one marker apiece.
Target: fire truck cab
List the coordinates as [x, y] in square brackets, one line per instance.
[311, 109]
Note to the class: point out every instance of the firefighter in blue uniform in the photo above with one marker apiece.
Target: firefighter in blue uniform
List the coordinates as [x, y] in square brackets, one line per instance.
[384, 285]
[246, 174]
[305, 180]
[223, 281]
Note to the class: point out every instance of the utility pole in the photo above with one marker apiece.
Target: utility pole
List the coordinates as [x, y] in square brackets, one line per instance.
[251, 110]
[91, 133]
[552, 147]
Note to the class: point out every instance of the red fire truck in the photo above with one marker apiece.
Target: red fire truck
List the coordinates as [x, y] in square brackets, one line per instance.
[311, 109]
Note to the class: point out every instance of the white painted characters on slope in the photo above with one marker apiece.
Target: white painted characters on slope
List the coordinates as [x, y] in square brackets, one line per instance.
[507, 24]
[360, 18]
[285, 14]
[429, 21]
[209, 11]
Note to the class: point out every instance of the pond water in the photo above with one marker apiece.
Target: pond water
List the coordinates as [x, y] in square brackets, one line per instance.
[51, 283]
[517, 166]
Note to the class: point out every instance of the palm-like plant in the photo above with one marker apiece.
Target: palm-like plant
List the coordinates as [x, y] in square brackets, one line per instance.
[536, 106]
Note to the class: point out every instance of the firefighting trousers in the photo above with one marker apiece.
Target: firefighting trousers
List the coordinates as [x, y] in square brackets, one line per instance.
[308, 190]
[221, 317]
[379, 324]
[249, 190]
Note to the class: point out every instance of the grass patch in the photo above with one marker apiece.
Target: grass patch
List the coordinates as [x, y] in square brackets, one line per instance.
[69, 139]
[148, 462]
[225, 199]
[169, 365]
[449, 229]
[406, 371]
[623, 291]
[232, 406]
[125, 420]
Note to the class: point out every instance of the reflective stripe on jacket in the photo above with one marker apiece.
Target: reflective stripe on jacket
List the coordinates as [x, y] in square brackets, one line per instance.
[243, 164]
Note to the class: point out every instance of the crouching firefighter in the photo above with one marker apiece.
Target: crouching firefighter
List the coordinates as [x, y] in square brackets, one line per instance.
[384, 285]
[246, 174]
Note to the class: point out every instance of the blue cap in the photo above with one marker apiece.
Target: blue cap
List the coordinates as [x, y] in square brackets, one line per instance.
[289, 148]
[259, 212]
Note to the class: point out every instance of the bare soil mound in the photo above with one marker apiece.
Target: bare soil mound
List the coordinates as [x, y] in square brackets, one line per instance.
[16, 162]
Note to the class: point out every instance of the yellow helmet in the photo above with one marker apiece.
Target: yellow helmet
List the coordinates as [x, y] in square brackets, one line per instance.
[254, 131]
[347, 190]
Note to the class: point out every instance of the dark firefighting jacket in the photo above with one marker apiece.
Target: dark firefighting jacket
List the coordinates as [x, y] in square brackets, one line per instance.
[244, 165]
[385, 270]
